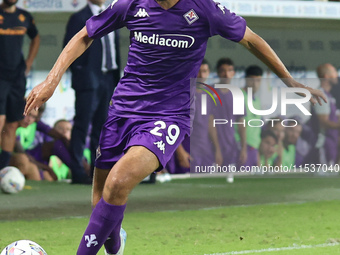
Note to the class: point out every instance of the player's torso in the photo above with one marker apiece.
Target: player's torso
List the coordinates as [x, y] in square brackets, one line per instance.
[13, 24]
[166, 50]
[182, 30]
[13, 27]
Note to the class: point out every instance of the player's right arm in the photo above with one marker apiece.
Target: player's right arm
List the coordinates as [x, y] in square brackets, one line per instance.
[261, 49]
[42, 92]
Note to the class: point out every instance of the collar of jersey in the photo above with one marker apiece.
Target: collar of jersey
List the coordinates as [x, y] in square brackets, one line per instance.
[154, 5]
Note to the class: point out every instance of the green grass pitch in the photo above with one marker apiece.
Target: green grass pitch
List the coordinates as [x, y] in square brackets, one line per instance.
[190, 216]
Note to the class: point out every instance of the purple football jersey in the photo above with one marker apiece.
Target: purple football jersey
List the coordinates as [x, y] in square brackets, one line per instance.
[328, 150]
[331, 143]
[166, 50]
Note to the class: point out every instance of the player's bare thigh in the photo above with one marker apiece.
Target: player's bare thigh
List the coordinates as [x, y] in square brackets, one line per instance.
[2, 121]
[115, 185]
[99, 178]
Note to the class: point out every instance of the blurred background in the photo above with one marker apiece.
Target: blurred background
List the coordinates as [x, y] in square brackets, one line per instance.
[304, 34]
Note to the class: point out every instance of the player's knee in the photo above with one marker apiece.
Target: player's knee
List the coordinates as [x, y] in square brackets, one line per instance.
[11, 126]
[2, 121]
[116, 189]
[19, 159]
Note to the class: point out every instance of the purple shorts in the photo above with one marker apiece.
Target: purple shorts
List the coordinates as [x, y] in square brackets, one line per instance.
[161, 136]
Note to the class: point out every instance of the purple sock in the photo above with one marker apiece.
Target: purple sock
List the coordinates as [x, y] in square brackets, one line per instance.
[104, 218]
[60, 150]
[112, 244]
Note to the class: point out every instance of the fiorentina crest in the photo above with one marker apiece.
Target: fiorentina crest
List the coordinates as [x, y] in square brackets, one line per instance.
[191, 16]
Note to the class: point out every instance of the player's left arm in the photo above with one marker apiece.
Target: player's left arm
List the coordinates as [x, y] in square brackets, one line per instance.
[32, 53]
[261, 49]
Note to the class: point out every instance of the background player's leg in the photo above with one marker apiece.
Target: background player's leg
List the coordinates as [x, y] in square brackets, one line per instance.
[8, 136]
[5, 87]
[7, 142]
[28, 169]
[15, 104]
[108, 214]
[2, 123]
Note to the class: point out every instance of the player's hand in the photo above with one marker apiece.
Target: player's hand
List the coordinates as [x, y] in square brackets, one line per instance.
[28, 67]
[317, 95]
[39, 95]
[218, 157]
[27, 71]
[184, 159]
[243, 155]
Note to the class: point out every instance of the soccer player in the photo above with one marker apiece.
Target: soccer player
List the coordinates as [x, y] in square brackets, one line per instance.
[267, 149]
[61, 170]
[20, 159]
[14, 24]
[150, 111]
[203, 139]
[295, 148]
[324, 122]
[253, 77]
[64, 127]
[200, 144]
[226, 133]
[279, 131]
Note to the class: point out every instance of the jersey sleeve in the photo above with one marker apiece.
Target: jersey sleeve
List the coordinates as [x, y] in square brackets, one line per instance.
[223, 22]
[42, 127]
[109, 20]
[32, 30]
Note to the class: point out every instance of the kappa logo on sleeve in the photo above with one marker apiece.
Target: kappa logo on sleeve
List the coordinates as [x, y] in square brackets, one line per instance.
[191, 16]
[113, 3]
[222, 8]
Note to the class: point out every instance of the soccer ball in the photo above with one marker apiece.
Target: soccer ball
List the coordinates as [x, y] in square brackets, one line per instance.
[26, 247]
[11, 180]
